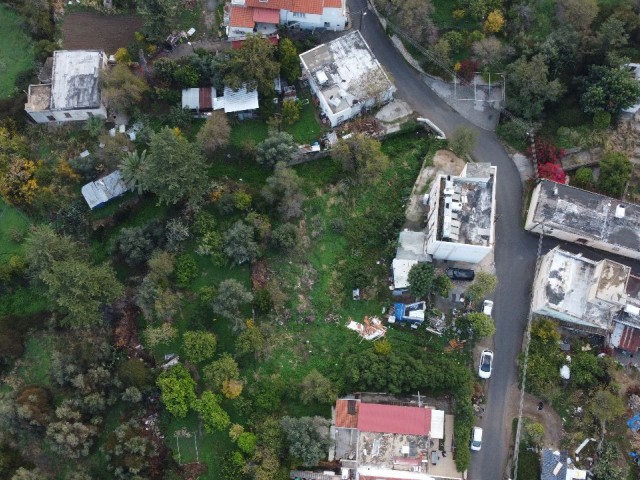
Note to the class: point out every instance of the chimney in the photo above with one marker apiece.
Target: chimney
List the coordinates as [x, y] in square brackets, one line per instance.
[620, 210]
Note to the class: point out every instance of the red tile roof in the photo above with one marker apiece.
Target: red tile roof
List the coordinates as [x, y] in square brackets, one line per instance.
[242, 17]
[343, 417]
[263, 15]
[297, 6]
[373, 417]
[307, 6]
[270, 4]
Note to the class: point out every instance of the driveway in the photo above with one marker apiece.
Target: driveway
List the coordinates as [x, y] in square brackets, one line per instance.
[515, 250]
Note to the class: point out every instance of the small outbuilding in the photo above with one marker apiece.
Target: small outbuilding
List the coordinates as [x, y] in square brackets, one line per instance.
[104, 189]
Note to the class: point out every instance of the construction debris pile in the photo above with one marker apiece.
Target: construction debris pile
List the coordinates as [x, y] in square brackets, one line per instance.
[371, 329]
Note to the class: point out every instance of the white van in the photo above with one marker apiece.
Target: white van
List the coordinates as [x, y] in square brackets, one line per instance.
[476, 438]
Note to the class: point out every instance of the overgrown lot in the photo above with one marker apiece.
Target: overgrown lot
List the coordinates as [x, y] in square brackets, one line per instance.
[16, 51]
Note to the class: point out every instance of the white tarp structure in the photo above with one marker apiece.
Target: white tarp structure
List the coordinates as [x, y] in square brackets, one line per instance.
[437, 424]
[231, 101]
[104, 189]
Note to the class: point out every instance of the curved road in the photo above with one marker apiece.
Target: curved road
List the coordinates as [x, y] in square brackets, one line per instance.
[515, 250]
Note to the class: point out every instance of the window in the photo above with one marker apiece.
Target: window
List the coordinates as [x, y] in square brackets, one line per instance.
[583, 241]
[51, 118]
[67, 115]
[299, 15]
[327, 24]
[89, 114]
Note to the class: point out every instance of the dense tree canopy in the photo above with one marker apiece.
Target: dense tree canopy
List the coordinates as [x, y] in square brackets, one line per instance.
[361, 156]
[611, 89]
[178, 390]
[175, 169]
[253, 64]
[529, 86]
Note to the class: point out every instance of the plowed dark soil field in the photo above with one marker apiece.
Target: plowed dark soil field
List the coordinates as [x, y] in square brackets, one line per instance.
[95, 31]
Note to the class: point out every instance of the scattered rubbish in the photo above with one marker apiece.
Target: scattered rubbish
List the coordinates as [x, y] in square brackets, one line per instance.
[565, 372]
[371, 329]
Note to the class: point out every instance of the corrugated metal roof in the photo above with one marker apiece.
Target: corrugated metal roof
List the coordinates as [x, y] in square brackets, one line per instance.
[237, 101]
[104, 189]
[373, 417]
[191, 98]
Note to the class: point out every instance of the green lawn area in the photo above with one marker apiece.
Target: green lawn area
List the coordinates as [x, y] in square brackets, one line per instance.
[34, 369]
[13, 225]
[16, 51]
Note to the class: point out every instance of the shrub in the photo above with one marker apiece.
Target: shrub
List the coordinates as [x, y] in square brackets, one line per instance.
[284, 237]
[553, 172]
[468, 69]
[583, 178]
[186, 269]
[545, 152]
[199, 346]
[615, 172]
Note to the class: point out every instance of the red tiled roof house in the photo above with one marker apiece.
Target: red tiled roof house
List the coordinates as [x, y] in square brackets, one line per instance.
[263, 16]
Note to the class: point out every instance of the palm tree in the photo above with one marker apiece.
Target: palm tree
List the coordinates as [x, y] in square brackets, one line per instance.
[132, 170]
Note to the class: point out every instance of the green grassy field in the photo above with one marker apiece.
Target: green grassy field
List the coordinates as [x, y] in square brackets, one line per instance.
[13, 225]
[16, 52]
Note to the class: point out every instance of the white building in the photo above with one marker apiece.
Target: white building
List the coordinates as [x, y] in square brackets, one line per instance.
[597, 296]
[346, 77]
[206, 99]
[264, 16]
[586, 218]
[461, 215]
[73, 92]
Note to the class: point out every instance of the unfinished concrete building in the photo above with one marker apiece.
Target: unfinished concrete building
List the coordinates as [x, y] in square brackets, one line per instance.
[70, 91]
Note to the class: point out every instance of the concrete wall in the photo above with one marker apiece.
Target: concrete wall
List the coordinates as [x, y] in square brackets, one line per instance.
[335, 17]
[67, 115]
[457, 252]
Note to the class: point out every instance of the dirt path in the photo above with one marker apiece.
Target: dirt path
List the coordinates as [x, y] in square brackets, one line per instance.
[548, 417]
[444, 162]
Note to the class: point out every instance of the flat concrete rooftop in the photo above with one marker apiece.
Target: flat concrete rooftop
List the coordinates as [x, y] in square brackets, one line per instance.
[76, 79]
[346, 71]
[570, 286]
[466, 210]
[588, 215]
[39, 98]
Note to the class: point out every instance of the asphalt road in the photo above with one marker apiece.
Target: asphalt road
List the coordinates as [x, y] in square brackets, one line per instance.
[515, 250]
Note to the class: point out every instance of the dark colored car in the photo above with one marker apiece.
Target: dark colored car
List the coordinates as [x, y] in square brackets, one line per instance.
[461, 274]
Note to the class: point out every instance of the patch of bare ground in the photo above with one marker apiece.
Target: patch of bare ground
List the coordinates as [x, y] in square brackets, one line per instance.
[96, 31]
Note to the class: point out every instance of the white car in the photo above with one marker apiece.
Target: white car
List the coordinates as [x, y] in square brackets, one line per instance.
[486, 364]
[487, 307]
[476, 439]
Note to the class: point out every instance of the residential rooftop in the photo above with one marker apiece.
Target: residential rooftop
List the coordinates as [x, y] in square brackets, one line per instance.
[76, 79]
[346, 71]
[588, 215]
[39, 98]
[465, 208]
[583, 289]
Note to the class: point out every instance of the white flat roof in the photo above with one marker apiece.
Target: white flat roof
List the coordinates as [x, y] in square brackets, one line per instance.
[401, 270]
[437, 424]
[76, 79]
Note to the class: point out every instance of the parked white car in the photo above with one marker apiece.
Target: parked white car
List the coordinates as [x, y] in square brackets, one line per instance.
[476, 439]
[486, 364]
[487, 307]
